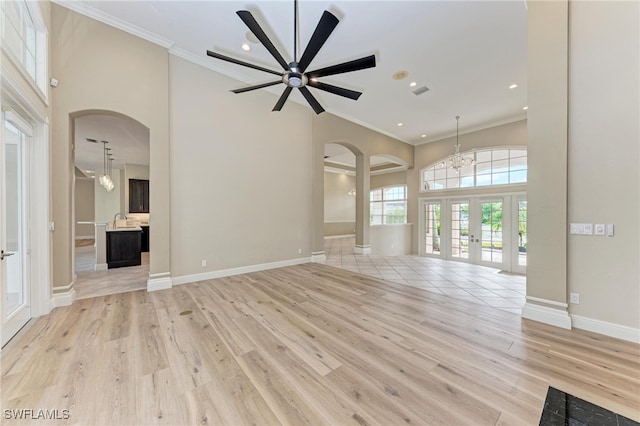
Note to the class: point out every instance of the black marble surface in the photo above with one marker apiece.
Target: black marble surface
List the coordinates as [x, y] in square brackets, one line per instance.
[563, 409]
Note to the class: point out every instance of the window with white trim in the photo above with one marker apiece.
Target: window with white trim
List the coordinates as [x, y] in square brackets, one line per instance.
[24, 38]
[494, 166]
[388, 205]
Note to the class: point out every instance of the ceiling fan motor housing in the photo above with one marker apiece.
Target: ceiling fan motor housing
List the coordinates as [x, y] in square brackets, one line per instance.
[293, 77]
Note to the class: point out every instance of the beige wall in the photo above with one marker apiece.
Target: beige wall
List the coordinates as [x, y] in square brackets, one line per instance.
[603, 178]
[512, 134]
[547, 156]
[339, 206]
[389, 179]
[85, 206]
[241, 181]
[102, 69]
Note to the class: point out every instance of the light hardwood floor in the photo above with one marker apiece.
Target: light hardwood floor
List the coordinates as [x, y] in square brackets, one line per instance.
[308, 344]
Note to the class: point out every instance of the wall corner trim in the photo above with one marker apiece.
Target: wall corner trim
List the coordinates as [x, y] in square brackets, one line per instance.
[617, 331]
[552, 316]
[62, 296]
[160, 281]
[362, 249]
[318, 256]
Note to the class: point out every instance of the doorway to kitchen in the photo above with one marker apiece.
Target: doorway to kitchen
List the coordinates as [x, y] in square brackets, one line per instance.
[111, 233]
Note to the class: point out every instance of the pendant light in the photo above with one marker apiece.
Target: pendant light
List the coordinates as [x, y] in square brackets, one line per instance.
[457, 161]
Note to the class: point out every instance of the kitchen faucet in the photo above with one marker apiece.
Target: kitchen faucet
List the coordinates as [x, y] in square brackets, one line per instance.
[115, 217]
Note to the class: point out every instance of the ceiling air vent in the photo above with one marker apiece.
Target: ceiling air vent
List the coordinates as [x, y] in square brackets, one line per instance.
[420, 90]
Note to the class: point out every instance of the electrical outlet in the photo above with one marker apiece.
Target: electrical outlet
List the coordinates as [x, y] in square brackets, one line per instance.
[598, 229]
[299, 251]
[204, 263]
[574, 298]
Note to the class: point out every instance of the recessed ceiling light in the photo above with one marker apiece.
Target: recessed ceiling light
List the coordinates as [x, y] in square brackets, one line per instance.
[400, 124]
[423, 136]
[413, 84]
[525, 108]
[513, 86]
[400, 75]
[246, 47]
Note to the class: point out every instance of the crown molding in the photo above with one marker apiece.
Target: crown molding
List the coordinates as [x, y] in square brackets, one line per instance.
[105, 18]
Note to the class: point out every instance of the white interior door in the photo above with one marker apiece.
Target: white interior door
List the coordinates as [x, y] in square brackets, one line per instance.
[15, 306]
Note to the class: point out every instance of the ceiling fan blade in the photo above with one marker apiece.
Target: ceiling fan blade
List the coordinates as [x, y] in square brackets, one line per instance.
[255, 28]
[340, 91]
[239, 62]
[311, 99]
[283, 99]
[325, 27]
[355, 65]
[259, 86]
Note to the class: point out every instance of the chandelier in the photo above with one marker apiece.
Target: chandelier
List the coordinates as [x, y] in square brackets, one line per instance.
[105, 179]
[457, 161]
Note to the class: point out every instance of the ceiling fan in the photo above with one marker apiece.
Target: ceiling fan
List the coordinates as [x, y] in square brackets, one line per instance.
[294, 74]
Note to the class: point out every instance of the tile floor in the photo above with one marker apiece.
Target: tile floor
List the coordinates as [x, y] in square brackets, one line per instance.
[479, 284]
[91, 283]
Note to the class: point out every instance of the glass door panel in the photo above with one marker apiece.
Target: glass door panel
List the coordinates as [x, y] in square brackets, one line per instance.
[15, 307]
[460, 229]
[491, 232]
[432, 228]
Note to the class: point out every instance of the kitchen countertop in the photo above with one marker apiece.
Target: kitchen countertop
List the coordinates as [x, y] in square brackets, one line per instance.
[110, 228]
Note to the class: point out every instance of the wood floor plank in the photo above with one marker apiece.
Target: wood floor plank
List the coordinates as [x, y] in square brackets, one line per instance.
[307, 344]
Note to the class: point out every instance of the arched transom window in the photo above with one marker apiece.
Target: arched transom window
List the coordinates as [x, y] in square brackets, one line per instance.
[493, 166]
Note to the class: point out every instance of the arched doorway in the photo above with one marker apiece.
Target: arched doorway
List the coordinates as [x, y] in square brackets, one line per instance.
[95, 206]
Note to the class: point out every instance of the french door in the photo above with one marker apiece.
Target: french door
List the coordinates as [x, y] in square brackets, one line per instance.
[15, 310]
[483, 230]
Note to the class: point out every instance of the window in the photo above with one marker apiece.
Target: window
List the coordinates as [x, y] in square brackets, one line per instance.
[24, 38]
[388, 205]
[497, 166]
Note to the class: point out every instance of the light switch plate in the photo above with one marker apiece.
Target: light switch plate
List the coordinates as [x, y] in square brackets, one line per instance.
[610, 229]
[599, 229]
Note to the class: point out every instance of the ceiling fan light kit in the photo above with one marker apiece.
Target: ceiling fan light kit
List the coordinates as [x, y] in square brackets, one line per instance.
[294, 74]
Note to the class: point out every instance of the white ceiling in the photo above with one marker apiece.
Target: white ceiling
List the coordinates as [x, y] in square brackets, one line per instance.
[466, 52]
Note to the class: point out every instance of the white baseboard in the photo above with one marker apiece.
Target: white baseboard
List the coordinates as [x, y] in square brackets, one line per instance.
[318, 256]
[332, 237]
[362, 249]
[85, 237]
[101, 267]
[160, 281]
[552, 316]
[62, 296]
[185, 279]
[607, 328]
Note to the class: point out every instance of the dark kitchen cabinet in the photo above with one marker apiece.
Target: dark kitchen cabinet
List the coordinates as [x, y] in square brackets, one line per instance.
[145, 239]
[123, 248]
[138, 196]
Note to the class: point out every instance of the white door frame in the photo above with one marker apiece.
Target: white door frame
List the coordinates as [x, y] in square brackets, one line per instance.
[38, 220]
